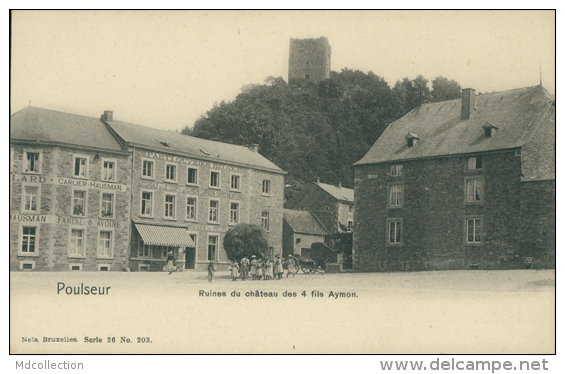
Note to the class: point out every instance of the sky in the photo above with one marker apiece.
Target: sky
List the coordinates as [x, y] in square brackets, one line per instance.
[165, 69]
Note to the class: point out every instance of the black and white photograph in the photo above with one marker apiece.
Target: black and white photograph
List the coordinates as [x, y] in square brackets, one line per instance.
[284, 182]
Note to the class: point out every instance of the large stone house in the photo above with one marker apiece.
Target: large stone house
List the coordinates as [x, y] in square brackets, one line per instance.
[186, 186]
[69, 193]
[96, 194]
[466, 183]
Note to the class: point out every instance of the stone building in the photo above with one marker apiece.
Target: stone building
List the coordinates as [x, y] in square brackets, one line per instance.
[309, 59]
[301, 229]
[96, 194]
[332, 205]
[188, 192]
[69, 193]
[467, 183]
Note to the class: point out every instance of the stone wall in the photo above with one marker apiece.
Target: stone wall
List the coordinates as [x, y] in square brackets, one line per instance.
[434, 213]
[538, 223]
[55, 218]
[252, 202]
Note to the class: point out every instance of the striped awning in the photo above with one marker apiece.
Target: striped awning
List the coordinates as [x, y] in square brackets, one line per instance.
[164, 235]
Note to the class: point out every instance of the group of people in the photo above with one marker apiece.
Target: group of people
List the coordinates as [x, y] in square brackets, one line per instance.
[266, 269]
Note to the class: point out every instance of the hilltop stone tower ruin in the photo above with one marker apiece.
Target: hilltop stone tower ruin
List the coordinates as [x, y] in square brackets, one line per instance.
[309, 59]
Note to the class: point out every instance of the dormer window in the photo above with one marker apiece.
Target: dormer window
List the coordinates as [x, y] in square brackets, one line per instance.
[411, 139]
[489, 129]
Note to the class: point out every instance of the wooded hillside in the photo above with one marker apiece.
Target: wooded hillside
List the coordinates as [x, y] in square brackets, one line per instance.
[317, 129]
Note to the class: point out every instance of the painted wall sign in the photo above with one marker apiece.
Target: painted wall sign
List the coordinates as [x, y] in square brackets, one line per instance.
[37, 218]
[189, 161]
[92, 184]
[187, 190]
[28, 178]
[43, 218]
[209, 228]
[88, 222]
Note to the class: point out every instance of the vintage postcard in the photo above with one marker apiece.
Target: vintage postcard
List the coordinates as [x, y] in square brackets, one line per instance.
[282, 182]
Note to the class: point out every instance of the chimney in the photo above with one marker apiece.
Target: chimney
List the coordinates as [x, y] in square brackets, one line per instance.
[339, 185]
[317, 180]
[253, 147]
[467, 103]
[108, 115]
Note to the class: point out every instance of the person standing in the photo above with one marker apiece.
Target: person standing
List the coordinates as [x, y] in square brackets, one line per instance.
[253, 267]
[244, 270]
[211, 270]
[279, 267]
[269, 271]
[234, 270]
[170, 262]
[259, 269]
[291, 266]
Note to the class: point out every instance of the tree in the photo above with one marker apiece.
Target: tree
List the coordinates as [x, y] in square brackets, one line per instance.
[245, 240]
[445, 89]
[311, 128]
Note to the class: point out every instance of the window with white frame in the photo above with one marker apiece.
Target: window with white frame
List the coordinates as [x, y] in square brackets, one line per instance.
[169, 206]
[29, 240]
[213, 212]
[475, 190]
[105, 244]
[191, 205]
[79, 203]
[212, 248]
[234, 213]
[394, 231]
[32, 162]
[147, 170]
[30, 199]
[474, 163]
[80, 167]
[170, 173]
[107, 205]
[474, 230]
[235, 184]
[109, 171]
[192, 176]
[265, 220]
[215, 179]
[76, 246]
[396, 170]
[266, 190]
[146, 203]
[395, 196]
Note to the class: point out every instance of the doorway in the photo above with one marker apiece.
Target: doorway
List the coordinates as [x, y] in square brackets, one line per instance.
[190, 258]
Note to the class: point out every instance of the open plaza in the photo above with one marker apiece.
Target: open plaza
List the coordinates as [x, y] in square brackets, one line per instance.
[471, 311]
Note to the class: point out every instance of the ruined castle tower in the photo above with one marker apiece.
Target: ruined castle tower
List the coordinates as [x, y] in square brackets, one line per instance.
[309, 59]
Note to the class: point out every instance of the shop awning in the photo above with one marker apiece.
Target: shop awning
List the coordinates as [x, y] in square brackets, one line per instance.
[164, 235]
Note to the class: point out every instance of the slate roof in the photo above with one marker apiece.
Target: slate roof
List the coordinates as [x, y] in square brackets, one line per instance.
[340, 193]
[302, 221]
[191, 146]
[43, 125]
[516, 114]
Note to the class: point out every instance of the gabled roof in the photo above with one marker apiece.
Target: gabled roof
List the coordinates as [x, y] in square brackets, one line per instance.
[196, 147]
[516, 114]
[340, 193]
[43, 125]
[304, 222]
